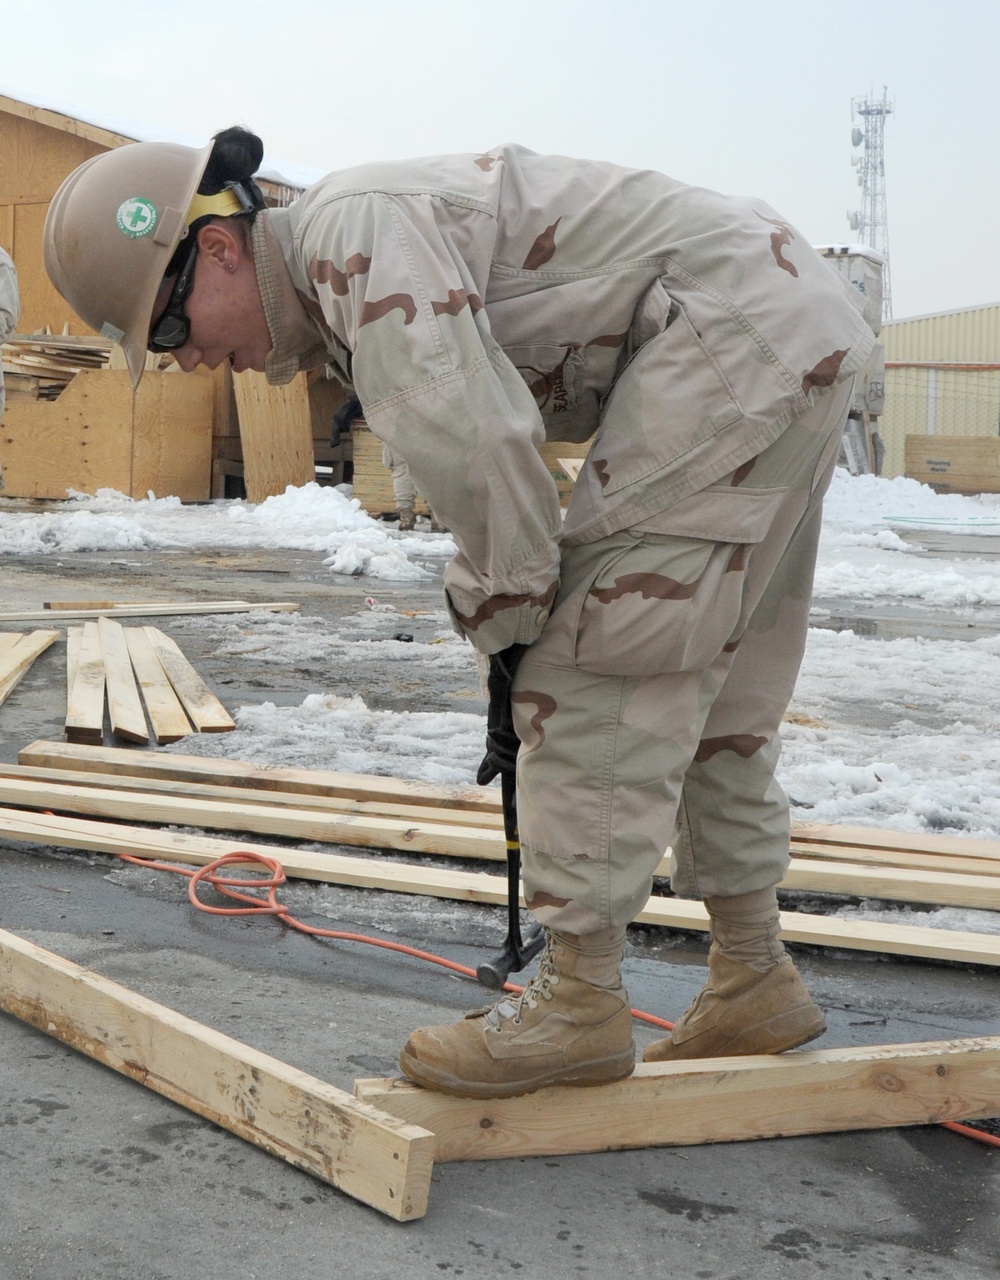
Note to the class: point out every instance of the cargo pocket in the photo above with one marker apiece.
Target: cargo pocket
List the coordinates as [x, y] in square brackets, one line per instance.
[671, 599]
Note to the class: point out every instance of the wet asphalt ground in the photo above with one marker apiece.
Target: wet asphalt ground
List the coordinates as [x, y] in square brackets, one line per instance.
[101, 1179]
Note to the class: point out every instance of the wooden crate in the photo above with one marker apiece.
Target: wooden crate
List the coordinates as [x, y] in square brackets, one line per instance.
[97, 435]
[954, 464]
[373, 482]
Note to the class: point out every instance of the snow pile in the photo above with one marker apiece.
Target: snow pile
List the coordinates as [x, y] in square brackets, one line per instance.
[319, 518]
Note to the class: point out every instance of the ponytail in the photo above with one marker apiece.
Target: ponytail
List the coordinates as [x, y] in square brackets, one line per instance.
[236, 156]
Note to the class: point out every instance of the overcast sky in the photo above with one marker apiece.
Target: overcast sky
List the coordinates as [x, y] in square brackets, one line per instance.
[746, 96]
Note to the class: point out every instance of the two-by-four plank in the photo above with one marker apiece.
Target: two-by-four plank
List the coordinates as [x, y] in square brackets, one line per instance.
[374, 1157]
[127, 717]
[17, 657]
[243, 773]
[722, 1100]
[676, 913]
[166, 715]
[85, 694]
[206, 712]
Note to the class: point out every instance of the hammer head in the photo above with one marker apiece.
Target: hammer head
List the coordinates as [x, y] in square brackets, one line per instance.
[494, 973]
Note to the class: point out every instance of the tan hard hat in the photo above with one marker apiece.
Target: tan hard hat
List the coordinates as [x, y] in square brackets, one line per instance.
[111, 230]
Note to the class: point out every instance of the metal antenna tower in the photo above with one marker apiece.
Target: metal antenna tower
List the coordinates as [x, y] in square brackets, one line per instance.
[870, 221]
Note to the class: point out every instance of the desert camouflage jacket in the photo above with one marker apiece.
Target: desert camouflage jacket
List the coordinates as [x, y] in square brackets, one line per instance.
[479, 304]
[9, 305]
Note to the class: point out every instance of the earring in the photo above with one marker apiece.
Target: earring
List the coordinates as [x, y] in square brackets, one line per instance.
[230, 266]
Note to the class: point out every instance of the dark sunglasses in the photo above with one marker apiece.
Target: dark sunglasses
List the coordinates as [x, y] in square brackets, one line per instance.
[173, 327]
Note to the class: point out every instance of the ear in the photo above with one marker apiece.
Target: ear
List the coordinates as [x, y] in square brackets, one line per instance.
[220, 245]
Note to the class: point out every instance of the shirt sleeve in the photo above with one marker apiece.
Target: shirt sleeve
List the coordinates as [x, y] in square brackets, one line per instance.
[397, 288]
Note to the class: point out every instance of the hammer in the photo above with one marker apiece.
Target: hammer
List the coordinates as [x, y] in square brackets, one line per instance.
[517, 952]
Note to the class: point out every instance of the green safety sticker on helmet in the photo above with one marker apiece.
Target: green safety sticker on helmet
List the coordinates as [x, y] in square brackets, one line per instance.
[136, 217]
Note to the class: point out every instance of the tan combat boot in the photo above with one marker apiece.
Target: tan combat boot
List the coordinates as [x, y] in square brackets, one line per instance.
[407, 519]
[571, 1025]
[754, 1000]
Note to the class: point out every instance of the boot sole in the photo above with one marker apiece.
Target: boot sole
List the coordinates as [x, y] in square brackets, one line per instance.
[587, 1075]
[784, 1031]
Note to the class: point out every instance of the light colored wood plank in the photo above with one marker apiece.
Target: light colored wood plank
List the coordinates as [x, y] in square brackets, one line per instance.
[671, 913]
[155, 610]
[51, 448]
[74, 641]
[219, 815]
[166, 715]
[312, 1125]
[85, 699]
[18, 657]
[124, 704]
[172, 438]
[973, 862]
[7, 639]
[200, 805]
[722, 1100]
[896, 884]
[882, 838]
[194, 791]
[275, 434]
[242, 773]
[206, 712]
[103, 605]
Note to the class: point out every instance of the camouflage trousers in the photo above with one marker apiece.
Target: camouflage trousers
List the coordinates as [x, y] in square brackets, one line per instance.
[649, 709]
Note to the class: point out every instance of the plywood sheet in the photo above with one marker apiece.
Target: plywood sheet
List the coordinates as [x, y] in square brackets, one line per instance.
[276, 434]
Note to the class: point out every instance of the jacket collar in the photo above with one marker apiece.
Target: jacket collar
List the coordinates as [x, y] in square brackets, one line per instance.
[299, 339]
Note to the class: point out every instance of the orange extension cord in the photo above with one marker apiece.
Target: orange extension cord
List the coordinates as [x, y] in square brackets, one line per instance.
[230, 887]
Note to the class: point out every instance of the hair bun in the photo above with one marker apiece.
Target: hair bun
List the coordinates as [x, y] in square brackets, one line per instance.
[236, 157]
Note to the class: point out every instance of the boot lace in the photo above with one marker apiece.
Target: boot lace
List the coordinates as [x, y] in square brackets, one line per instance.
[539, 988]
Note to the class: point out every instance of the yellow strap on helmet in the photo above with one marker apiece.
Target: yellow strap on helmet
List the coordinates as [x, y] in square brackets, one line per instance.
[222, 205]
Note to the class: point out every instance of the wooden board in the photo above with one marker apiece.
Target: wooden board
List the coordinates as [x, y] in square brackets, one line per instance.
[424, 831]
[152, 610]
[16, 658]
[314, 1126]
[241, 773]
[725, 1100]
[107, 837]
[98, 435]
[206, 712]
[124, 703]
[166, 715]
[85, 695]
[954, 464]
[229, 815]
[196, 791]
[275, 434]
[905, 841]
[373, 481]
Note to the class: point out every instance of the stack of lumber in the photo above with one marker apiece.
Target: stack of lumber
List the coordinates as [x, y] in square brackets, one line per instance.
[413, 818]
[142, 672]
[38, 366]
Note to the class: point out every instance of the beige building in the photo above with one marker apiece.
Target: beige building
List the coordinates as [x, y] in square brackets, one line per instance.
[942, 379]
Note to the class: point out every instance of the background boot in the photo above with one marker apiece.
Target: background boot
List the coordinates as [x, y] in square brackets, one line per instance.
[742, 1011]
[407, 519]
[571, 1025]
[754, 1000]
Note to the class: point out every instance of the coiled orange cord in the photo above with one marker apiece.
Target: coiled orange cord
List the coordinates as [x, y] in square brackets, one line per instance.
[231, 887]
